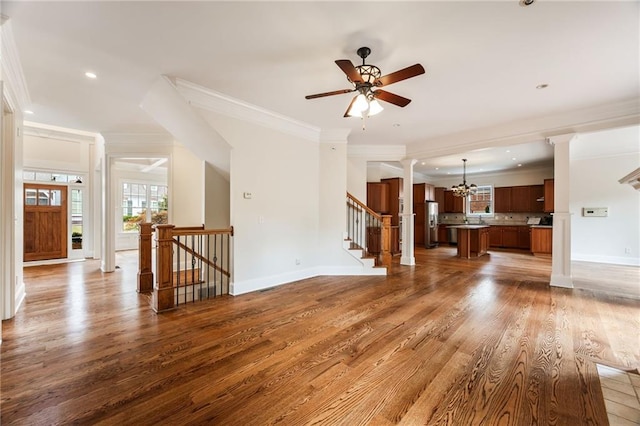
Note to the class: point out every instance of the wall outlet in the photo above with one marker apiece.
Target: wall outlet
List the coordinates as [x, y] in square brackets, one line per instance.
[297, 261]
[247, 195]
[627, 250]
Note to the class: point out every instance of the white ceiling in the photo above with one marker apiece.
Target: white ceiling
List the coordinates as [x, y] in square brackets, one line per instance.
[483, 62]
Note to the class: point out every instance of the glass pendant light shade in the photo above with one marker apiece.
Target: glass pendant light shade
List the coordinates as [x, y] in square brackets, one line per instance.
[359, 106]
[375, 107]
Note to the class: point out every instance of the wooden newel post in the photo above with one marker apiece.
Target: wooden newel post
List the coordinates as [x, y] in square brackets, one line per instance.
[385, 253]
[163, 296]
[145, 274]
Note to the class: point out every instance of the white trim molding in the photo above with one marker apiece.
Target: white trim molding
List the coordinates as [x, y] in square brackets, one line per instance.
[208, 99]
[378, 152]
[12, 68]
[632, 179]
[618, 114]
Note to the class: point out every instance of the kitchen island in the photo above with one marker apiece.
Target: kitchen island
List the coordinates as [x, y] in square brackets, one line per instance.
[473, 240]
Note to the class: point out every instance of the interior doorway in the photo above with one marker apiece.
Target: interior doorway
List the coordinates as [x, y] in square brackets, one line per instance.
[45, 222]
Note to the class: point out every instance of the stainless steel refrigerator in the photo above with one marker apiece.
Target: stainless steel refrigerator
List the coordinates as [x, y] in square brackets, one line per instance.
[431, 225]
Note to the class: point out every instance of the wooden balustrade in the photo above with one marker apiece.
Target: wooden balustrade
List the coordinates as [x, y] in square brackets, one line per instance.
[369, 230]
[163, 294]
[192, 263]
[145, 273]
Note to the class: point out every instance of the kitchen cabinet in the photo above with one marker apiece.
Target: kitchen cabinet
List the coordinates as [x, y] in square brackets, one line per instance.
[509, 236]
[495, 236]
[518, 199]
[502, 199]
[443, 236]
[541, 240]
[439, 196]
[548, 195]
[524, 237]
[537, 200]
[419, 196]
[453, 204]
[394, 198]
[473, 241]
[378, 197]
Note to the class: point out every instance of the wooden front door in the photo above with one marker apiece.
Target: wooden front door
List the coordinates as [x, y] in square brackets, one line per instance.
[45, 222]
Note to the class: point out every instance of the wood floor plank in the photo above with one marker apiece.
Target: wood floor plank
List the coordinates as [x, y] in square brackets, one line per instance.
[447, 341]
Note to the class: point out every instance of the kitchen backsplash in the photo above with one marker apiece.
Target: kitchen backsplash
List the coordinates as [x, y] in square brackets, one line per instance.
[498, 219]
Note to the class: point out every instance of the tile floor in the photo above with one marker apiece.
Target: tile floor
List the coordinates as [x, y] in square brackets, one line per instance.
[621, 392]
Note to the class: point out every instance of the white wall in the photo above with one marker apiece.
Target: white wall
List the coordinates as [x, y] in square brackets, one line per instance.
[332, 225]
[357, 177]
[186, 203]
[598, 160]
[56, 154]
[279, 235]
[279, 223]
[216, 199]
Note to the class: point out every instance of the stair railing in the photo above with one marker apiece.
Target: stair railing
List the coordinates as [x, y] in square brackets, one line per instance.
[369, 231]
[192, 263]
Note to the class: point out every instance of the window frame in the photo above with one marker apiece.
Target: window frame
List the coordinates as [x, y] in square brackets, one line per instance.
[492, 203]
[146, 206]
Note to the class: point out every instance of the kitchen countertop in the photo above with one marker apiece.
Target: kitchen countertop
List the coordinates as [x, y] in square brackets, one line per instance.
[542, 226]
[468, 226]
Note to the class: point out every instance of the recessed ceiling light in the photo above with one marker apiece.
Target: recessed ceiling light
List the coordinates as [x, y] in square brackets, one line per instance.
[513, 158]
[448, 173]
[91, 75]
[423, 163]
[519, 165]
[27, 111]
[508, 150]
[437, 168]
[542, 86]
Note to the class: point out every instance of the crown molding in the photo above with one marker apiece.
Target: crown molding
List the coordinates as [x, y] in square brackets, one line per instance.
[217, 102]
[12, 71]
[54, 132]
[585, 120]
[334, 135]
[137, 144]
[378, 152]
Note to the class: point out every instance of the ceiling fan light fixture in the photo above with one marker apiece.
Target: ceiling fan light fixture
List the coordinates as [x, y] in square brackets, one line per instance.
[375, 107]
[359, 106]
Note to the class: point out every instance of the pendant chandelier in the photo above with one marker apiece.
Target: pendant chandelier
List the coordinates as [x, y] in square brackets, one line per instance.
[462, 190]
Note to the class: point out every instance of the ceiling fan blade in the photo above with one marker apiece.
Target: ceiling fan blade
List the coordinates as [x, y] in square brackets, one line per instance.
[347, 67]
[335, 92]
[346, 113]
[391, 98]
[400, 75]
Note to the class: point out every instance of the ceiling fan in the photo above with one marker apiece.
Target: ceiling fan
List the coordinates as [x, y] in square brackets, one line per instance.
[365, 78]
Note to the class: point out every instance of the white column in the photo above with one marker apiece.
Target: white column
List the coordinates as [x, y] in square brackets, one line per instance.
[561, 257]
[407, 214]
[108, 237]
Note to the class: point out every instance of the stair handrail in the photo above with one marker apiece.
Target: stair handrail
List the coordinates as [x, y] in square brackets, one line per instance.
[207, 250]
[371, 233]
[365, 207]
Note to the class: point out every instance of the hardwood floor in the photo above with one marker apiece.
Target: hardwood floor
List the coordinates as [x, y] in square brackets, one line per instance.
[449, 341]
